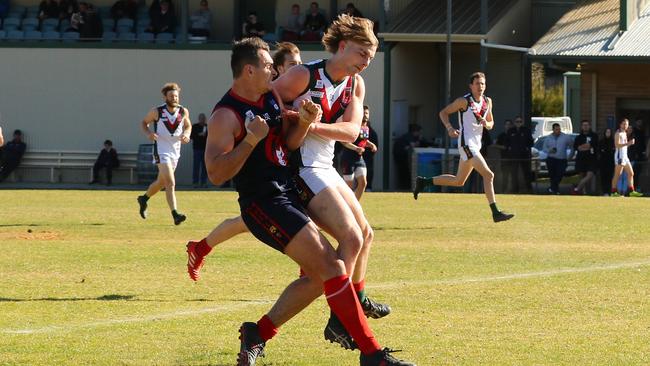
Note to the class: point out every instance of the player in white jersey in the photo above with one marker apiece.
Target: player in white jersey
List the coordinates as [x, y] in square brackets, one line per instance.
[621, 160]
[474, 114]
[171, 127]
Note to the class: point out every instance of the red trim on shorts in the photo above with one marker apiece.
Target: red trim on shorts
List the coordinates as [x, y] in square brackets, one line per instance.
[262, 219]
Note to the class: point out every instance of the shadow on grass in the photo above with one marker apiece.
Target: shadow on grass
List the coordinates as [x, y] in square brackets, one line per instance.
[19, 225]
[112, 297]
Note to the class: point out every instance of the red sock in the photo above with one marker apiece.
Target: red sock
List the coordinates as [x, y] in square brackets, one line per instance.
[614, 190]
[630, 188]
[266, 328]
[203, 248]
[344, 303]
[360, 286]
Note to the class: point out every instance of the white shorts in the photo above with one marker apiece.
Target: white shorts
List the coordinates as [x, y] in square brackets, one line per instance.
[318, 179]
[468, 152]
[358, 172]
[166, 159]
[622, 161]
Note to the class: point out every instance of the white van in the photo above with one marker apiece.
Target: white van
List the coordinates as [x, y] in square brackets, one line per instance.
[542, 126]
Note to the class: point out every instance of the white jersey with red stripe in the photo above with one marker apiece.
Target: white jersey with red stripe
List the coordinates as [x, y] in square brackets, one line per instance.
[333, 98]
[169, 128]
[471, 130]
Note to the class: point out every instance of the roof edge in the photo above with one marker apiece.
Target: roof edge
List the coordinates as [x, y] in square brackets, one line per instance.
[431, 37]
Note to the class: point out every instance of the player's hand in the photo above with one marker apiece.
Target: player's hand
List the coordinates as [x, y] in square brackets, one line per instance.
[152, 136]
[453, 133]
[360, 150]
[185, 139]
[309, 112]
[373, 148]
[256, 130]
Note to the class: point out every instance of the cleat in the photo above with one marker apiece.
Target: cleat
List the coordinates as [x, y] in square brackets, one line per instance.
[502, 216]
[336, 332]
[382, 357]
[178, 218]
[636, 194]
[615, 194]
[252, 345]
[143, 206]
[194, 261]
[419, 186]
[375, 310]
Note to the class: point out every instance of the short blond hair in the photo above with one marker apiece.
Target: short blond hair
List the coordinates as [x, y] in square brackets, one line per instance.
[348, 28]
[170, 86]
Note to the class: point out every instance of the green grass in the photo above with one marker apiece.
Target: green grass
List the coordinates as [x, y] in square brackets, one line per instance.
[93, 284]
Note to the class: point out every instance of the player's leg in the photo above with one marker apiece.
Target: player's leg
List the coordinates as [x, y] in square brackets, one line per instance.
[629, 170]
[198, 250]
[481, 166]
[153, 188]
[458, 180]
[360, 173]
[167, 169]
[618, 169]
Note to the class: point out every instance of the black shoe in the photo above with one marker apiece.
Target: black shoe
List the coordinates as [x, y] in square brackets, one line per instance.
[178, 218]
[143, 206]
[502, 216]
[382, 358]
[252, 345]
[336, 332]
[419, 186]
[373, 309]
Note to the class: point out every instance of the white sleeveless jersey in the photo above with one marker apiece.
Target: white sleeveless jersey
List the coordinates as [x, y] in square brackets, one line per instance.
[333, 98]
[471, 131]
[169, 128]
[620, 156]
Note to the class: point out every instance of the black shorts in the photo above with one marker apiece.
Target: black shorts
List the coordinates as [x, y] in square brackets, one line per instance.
[348, 166]
[274, 220]
[586, 165]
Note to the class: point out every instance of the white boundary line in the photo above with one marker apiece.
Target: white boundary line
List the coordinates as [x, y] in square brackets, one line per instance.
[232, 307]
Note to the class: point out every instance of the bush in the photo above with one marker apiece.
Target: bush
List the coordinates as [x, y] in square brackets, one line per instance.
[547, 101]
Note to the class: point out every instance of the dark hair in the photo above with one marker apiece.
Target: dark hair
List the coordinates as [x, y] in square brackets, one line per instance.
[365, 107]
[414, 127]
[555, 124]
[507, 120]
[108, 142]
[18, 132]
[585, 120]
[282, 50]
[476, 75]
[245, 52]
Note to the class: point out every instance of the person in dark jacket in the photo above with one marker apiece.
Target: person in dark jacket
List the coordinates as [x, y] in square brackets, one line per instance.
[107, 159]
[12, 154]
[586, 146]
[199, 136]
[519, 140]
[606, 160]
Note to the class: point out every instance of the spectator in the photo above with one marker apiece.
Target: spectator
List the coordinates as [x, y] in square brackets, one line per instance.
[638, 150]
[155, 6]
[352, 11]
[606, 160]
[402, 149]
[107, 159]
[315, 24]
[556, 146]
[86, 22]
[518, 143]
[251, 27]
[67, 8]
[504, 156]
[201, 21]
[12, 153]
[369, 155]
[48, 9]
[164, 20]
[124, 9]
[586, 146]
[292, 28]
[199, 136]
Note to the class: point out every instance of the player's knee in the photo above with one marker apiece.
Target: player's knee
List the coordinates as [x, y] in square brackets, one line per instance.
[368, 235]
[353, 239]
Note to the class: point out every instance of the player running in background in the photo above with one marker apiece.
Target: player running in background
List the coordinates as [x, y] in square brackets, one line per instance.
[622, 161]
[352, 162]
[474, 114]
[171, 127]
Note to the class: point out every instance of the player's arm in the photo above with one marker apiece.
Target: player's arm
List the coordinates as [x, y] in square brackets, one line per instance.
[350, 146]
[455, 106]
[371, 145]
[308, 114]
[223, 159]
[187, 127]
[292, 83]
[346, 128]
[150, 118]
[488, 122]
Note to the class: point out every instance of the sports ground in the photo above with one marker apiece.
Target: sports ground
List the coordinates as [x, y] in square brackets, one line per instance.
[85, 281]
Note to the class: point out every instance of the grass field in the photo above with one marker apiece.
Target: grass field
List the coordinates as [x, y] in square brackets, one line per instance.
[85, 281]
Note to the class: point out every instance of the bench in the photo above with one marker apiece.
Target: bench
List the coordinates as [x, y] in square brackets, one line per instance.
[55, 160]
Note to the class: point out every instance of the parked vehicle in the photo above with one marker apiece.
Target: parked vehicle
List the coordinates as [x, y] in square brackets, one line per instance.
[542, 126]
[539, 158]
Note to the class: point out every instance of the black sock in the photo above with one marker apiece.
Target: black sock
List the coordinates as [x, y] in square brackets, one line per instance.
[145, 197]
[493, 207]
[427, 181]
[174, 213]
